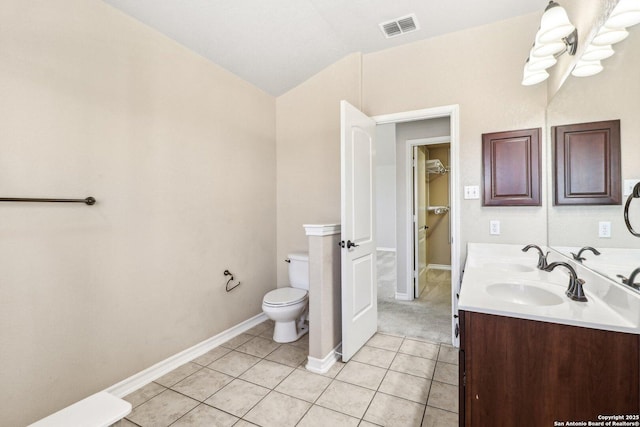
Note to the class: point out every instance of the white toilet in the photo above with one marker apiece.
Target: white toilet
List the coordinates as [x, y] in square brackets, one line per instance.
[288, 306]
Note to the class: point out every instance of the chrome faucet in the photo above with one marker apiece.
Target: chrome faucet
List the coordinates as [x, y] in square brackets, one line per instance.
[586, 248]
[542, 257]
[631, 280]
[574, 291]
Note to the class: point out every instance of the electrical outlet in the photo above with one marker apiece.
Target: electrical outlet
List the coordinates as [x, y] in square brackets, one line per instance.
[494, 227]
[604, 229]
[628, 186]
[471, 192]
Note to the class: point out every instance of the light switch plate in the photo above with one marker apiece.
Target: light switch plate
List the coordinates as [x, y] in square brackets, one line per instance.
[604, 229]
[471, 192]
[628, 185]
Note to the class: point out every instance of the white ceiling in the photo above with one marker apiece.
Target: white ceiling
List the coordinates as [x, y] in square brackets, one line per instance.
[277, 44]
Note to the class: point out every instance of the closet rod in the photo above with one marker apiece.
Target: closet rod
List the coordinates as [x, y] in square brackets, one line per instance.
[89, 200]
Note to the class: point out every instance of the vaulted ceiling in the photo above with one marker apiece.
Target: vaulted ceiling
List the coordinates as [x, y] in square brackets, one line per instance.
[277, 44]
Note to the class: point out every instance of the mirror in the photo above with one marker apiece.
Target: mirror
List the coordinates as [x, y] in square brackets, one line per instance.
[612, 94]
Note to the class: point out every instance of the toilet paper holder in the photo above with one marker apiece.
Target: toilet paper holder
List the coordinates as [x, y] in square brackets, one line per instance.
[229, 288]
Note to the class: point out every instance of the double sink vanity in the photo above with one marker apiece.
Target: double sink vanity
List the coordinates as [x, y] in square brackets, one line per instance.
[531, 355]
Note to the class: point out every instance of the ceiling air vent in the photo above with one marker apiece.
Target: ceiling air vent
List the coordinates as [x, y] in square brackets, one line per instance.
[399, 26]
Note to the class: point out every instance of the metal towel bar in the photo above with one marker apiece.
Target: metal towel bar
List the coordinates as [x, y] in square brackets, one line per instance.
[89, 200]
[635, 194]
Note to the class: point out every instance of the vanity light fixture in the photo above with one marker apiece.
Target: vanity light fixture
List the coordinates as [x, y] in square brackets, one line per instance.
[625, 14]
[555, 36]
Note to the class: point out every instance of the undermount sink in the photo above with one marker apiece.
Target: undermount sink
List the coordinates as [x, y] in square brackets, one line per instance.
[525, 294]
[503, 266]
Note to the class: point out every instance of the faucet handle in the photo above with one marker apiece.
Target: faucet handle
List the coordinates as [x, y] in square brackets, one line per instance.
[631, 281]
[542, 257]
[578, 256]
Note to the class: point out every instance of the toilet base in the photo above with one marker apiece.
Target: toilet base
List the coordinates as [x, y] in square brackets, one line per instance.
[284, 332]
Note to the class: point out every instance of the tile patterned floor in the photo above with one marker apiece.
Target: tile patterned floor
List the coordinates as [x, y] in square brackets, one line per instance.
[253, 381]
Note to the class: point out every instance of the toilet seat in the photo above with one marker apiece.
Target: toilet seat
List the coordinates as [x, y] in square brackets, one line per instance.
[283, 297]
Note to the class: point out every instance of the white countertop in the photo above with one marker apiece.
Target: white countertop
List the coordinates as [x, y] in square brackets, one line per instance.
[609, 307]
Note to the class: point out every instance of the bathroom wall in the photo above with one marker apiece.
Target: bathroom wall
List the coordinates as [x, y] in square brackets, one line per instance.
[613, 94]
[308, 154]
[180, 155]
[479, 69]
[386, 186]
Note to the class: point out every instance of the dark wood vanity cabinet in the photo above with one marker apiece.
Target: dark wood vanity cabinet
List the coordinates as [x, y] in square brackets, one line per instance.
[516, 372]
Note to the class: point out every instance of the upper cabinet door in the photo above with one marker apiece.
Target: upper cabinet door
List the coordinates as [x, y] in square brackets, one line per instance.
[587, 163]
[511, 165]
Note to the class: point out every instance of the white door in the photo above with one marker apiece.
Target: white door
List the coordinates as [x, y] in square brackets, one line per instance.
[420, 204]
[359, 277]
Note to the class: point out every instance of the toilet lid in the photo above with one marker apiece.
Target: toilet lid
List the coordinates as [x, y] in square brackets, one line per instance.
[285, 296]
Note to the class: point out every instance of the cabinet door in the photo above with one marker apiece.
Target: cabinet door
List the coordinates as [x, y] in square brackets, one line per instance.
[587, 163]
[511, 166]
[528, 373]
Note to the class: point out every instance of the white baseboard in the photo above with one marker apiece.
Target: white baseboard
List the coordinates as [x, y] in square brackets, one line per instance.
[143, 378]
[386, 249]
[439, 267]
[402, 296]
[322, 366]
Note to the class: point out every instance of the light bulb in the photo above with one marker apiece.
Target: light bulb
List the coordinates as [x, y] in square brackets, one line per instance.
[625, 14]
[586, 68]
[538, 63]
[597, 53]
[546, 49]
[533, 78]
[608, 36]
[554, 24]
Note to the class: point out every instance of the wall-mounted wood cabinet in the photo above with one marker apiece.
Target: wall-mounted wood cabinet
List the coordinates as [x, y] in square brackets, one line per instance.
[511, 168]
[587, 163]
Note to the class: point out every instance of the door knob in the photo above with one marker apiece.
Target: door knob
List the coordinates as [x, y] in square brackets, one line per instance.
[350, 244]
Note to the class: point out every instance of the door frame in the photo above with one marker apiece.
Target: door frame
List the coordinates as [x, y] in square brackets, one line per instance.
[453, 112]
[410, 145]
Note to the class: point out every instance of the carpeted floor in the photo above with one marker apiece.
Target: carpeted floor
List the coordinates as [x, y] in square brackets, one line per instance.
[428, 317]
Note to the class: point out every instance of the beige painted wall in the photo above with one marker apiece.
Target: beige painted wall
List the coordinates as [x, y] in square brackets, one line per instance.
[180, 155]
[480, 69]
[612, 94]
[308, 154]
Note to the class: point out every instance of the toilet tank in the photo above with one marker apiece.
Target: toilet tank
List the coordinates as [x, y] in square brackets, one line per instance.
[299, 270]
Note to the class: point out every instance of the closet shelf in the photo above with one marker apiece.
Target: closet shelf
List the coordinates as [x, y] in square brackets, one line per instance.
[436, 166]
[438, 210]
